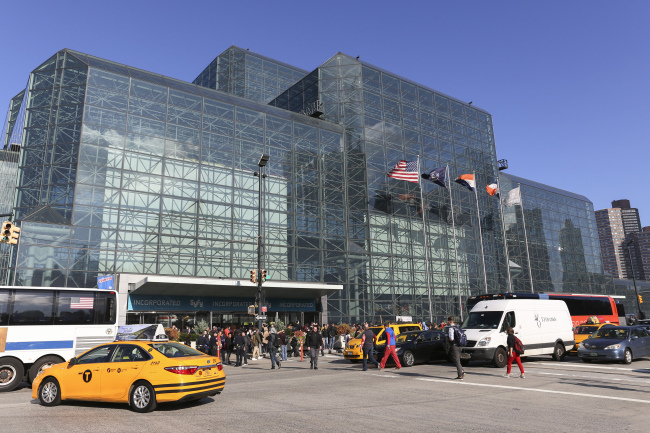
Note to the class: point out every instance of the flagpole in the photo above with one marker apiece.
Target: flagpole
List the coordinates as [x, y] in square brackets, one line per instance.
[505, 235]
[453, 224]
[480, 232]
[426, 245]
[523, 215]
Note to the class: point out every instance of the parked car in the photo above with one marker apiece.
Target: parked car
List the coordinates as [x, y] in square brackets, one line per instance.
[616, 343]
[417, 347]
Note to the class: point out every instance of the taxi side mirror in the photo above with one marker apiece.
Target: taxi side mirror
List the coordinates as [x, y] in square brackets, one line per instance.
[72, 362]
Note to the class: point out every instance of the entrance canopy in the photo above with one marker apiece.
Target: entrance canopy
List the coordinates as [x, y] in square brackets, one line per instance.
[163, 285]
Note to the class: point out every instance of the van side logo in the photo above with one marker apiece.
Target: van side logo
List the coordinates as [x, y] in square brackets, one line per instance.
[539, 320]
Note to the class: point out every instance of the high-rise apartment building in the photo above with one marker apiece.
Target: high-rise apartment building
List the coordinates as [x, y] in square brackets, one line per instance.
[614, 224]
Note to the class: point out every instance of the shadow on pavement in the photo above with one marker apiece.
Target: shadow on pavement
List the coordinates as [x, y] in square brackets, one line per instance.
[162, 407]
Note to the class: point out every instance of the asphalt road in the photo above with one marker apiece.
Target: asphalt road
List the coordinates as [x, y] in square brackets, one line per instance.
[554, 397]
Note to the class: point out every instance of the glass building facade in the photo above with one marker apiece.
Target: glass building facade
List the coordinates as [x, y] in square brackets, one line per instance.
[563, 244]
[124, 171]
[249, 75]
[387, 119]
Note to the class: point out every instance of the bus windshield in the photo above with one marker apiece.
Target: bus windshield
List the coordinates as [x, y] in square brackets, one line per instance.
[483, 320]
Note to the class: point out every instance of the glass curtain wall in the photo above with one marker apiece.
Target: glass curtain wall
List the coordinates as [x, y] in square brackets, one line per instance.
[249, 75]
[562, 236]
[164, 180]
[387, 119]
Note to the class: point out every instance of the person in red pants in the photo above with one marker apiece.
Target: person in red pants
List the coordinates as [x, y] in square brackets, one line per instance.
[512, 354]
[390, 347]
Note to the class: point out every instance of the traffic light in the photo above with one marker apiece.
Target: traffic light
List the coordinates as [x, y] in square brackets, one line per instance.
[9, 233]
[6, 232]
[254, 276]
[640, 300]
[263, 276]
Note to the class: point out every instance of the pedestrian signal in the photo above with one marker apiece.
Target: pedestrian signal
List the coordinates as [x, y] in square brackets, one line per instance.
[251, 310]
[254, 276]
[263, 276]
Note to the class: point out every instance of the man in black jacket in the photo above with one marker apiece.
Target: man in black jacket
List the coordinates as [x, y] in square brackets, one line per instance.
[314, 340]
[212, 345]
[239, 343]
[333, 333]
[202, 342]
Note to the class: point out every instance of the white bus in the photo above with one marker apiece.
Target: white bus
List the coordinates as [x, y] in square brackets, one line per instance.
[42, 326]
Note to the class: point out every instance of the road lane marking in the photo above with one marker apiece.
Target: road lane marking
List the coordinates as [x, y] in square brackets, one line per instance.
[382, 375]
[587, 366]
[593, 377]
[549, 391]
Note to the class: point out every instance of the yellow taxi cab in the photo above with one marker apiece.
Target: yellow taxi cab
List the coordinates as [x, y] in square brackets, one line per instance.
[353, 350]
[141, 373]
[584, 331]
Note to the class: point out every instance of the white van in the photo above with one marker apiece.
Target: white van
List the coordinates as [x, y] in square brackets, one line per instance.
[543, 326]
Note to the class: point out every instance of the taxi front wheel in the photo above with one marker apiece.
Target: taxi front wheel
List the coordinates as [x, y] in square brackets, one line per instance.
[49, 393]
[142, 398]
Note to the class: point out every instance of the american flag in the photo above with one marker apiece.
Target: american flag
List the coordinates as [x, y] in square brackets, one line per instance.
[81, 303]
[406, 170]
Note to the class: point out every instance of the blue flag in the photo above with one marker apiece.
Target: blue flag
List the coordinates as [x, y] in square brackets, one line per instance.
[437, 176]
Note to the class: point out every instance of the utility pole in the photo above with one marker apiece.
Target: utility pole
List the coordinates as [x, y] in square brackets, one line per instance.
[261, 296]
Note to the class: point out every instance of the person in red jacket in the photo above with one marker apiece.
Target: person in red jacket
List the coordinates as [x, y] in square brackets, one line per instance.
[390, 347]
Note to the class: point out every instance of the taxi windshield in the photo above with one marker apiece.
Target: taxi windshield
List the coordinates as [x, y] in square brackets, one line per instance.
[407, 336]
[175, 350]
[585, 330]
[612, 333]
[376, 330]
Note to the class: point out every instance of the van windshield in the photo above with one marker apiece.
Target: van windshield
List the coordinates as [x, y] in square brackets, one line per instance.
[483, 320]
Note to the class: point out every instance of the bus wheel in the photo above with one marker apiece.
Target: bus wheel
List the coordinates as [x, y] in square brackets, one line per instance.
[11, 374]
[42, 364]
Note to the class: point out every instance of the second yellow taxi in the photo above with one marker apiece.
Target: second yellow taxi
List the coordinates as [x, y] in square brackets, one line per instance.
[353, 350]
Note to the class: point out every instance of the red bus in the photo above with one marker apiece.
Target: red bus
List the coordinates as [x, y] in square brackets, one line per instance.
[581, 307]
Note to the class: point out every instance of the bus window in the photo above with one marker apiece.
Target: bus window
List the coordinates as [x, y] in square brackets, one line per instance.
[75, 308]
[32, 308]
[105, 309]
[4, 307]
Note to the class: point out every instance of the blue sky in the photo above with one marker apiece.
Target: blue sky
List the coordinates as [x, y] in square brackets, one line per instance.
[565, 82]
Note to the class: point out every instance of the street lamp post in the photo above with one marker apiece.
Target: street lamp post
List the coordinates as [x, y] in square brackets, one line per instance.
[636, 291]
[261, 296]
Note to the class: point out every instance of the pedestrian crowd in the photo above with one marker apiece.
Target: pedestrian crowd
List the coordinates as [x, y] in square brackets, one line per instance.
[236, 346]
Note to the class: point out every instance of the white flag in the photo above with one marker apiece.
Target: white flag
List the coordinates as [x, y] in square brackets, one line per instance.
[513, 197]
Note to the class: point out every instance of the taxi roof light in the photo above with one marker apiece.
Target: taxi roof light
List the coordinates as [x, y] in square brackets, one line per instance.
[183, 369]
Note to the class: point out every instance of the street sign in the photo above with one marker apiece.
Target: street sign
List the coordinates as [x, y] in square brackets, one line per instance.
[105, 282]
[261, 317]
[263, 309]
